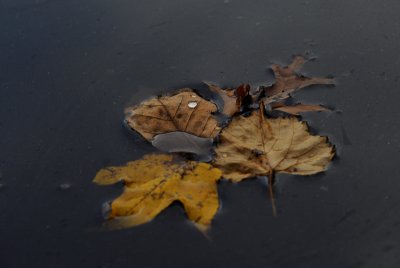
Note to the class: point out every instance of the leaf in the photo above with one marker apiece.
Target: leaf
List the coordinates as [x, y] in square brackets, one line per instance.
[242, 92]
[233, 99]
[154, 182]
[297, 108]
[288, 81]
[255, 146]
[185, 111]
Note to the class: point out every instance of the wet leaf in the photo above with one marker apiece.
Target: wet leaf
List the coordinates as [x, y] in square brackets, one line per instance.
[185, 112]
[287, 81]
[257, 146]
[154, 182]
[233, 99]
[228, 98]
[297, 108]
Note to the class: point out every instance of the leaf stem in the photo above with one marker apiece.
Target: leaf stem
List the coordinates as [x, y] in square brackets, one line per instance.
[271, 180]
[271, 177]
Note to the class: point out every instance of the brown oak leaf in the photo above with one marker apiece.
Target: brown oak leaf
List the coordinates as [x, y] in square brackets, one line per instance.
[298, 108]
[287, 81]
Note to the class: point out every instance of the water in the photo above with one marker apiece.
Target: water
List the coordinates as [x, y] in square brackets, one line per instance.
[69, 68]
[65, 186]
[192, 104]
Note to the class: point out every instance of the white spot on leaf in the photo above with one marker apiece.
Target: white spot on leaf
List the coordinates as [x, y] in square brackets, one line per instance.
[192, 104]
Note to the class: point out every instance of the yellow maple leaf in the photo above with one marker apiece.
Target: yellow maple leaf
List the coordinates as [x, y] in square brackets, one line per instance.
[257, 146]
[157, 180]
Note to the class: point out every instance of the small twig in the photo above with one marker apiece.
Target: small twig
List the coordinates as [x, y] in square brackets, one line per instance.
[261, 104]
[262, 110]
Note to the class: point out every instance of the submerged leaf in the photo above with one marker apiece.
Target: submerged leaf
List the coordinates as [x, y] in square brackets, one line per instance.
[185, 111]
[154, 182]
[173, 142]
[288, 81]
[256, 146]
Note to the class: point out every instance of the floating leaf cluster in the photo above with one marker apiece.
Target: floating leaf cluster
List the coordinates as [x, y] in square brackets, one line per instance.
[252, 144]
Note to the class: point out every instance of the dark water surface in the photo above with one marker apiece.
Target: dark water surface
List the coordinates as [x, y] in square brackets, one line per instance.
[69, 68]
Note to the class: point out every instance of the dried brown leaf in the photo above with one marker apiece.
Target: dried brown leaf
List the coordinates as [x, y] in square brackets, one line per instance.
[297, 108]
[257, 146]
[241, 94]
[228, 97]
[287, 81]
[233, 99]
[185, 112]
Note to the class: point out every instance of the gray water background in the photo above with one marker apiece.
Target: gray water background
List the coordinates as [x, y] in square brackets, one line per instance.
[69, 68]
